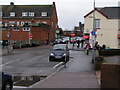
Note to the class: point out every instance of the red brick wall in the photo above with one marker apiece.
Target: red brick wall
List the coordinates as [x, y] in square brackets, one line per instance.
[38, 33]
[110, 76]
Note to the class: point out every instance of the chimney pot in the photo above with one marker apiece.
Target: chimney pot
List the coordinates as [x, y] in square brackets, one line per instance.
[11, 3]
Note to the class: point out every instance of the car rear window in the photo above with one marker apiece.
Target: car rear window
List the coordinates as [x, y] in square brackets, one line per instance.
[63, 47]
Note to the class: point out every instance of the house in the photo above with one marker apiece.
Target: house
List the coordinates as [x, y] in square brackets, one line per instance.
[107, 26]
[26, 24]
[78, 30]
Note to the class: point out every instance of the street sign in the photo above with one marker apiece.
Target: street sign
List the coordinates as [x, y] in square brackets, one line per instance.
[72, 34]
[93, 33]
[30, 36]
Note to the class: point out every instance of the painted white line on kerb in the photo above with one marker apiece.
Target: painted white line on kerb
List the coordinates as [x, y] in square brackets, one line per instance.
[58, 64]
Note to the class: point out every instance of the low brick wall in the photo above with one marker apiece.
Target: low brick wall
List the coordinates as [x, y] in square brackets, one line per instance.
[110, 76]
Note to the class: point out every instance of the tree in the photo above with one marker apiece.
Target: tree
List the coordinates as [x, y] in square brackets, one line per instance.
[60, 31]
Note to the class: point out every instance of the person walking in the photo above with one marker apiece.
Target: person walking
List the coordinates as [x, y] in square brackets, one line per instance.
[87, 47]
[78, 43]
[82, 42]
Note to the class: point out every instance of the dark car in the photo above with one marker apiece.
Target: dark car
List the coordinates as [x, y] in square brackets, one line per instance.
[59, 53]
[59, 41]
[7, 82]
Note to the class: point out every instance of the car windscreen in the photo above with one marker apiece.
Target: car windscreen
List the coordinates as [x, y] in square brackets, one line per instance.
[59, 47]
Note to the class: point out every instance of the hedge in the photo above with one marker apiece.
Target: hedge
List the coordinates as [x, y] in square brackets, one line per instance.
[109, 52]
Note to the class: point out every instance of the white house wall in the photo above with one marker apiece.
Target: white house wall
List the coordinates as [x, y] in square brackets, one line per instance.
[107, 34]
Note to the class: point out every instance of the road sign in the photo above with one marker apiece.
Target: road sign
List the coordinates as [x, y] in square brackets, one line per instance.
[72, 34]
[30, 36]
[93, 33]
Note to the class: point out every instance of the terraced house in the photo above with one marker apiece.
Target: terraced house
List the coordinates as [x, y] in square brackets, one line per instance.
[107, 26]
[27, 24]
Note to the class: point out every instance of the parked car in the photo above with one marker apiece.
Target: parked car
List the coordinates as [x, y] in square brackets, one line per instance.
[59, 53]
[66, 39]
[57, 41]
[7, 82]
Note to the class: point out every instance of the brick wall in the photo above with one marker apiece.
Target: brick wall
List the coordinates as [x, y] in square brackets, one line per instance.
[110, 76]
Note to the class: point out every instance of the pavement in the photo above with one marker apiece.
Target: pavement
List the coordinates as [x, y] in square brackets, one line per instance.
[79, 73]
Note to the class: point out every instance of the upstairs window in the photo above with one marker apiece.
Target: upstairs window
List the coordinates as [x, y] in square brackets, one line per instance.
[26, 29]
[16, 29]
[44, 14]
[31, 14]
[0, 13]
[97, 23]
[24, 14]
[12, 14]
[44, 22]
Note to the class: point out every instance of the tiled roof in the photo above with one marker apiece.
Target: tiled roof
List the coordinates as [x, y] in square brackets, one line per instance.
[108, 12]
[18, 9]
[111, 12]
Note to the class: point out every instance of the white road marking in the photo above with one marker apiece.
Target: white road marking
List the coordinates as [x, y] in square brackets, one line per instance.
[10, 62]
[7, 63]
[58, 65]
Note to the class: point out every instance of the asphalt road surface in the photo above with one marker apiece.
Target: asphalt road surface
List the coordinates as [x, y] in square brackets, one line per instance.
[29, 62]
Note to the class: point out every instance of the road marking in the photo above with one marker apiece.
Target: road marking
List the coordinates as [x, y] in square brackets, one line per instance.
[10, 62]
[57, 65]
[7, 63]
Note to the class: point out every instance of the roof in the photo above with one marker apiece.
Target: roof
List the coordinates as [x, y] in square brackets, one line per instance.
[108, 12]
[18, 9]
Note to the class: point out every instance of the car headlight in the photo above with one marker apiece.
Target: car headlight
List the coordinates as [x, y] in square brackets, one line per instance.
[51, 54]
[64, 54]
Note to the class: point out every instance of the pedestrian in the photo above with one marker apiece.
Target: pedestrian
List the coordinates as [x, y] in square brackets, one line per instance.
[87, 48]
[82, 42]
[103, 47]
[46, 41]
[78, 43]
[73, 44]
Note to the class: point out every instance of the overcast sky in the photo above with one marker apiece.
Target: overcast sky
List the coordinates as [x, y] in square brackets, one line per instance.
[70, 12]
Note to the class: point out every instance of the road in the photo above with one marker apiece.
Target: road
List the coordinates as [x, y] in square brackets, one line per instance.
[29, 62]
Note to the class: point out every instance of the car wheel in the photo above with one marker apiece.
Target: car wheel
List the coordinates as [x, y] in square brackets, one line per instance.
[7, 86]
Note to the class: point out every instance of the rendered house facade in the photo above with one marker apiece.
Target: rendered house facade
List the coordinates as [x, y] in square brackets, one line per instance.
[107, 26]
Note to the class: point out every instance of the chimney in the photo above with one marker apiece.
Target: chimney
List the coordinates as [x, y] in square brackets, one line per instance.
[53, 3]
[11, 3]
[80, 24]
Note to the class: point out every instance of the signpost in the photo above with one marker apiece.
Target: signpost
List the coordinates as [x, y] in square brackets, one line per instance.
[72, 34]
[30, 36]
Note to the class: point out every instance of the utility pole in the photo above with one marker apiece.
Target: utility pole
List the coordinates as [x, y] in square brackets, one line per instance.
[93, 36]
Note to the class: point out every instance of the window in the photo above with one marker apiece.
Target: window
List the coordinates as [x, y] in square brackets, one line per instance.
[12, 14]
[18, 23]
[22, 23]
[31, 14]
[0, 13]
[44, 22]
[26, 29]
[97, 23]
[29, 22]
[24, 14]
[44, 14]
[16, 29]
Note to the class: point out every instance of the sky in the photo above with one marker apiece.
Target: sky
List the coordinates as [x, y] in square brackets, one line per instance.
[69, 12]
